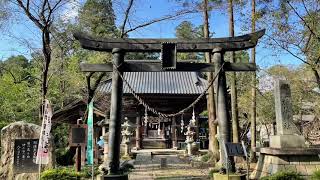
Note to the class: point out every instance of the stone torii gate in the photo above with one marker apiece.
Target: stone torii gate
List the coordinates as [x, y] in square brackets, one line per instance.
[168, 49]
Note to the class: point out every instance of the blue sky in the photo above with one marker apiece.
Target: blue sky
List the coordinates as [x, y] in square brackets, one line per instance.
[17, 38]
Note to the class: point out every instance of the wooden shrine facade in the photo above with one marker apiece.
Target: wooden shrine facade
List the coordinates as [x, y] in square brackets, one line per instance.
[169, 92]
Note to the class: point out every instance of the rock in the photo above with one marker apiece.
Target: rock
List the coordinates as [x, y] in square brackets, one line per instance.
[18, 130]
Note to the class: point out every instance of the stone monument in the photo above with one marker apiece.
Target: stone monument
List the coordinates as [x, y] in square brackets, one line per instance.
[19, 142]
[288, 150]
[286, 129]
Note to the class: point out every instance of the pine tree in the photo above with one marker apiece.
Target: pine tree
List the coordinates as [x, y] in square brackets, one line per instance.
[97, 18]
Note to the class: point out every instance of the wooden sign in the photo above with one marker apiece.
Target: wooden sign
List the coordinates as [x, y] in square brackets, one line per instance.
[78, 136]
[25, 153]
[235, 149]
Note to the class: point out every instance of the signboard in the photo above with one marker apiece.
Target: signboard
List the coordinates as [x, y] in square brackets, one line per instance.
[235, 149]
[78, 136]
[25, 154]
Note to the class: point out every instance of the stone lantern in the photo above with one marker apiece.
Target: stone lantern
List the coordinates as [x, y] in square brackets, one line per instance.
[189, 140]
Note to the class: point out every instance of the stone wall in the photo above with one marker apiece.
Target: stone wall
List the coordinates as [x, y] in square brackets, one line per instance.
[270, 164]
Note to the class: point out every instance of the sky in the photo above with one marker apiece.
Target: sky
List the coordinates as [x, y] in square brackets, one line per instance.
[21, 38]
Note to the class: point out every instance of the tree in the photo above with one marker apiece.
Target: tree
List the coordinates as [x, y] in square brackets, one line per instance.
[18, 97]
[187, 30]
[297, 31]
[41, 13]
[213, 142]
[253, 89]
[234, 103]
[97, 18]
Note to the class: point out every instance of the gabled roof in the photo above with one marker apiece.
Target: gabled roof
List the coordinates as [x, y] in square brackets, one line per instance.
[187, 83]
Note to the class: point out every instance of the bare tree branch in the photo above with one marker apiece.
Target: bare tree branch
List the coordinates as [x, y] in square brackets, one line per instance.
[167, 17]
[126, 18]
[30, 16]
[286, 49]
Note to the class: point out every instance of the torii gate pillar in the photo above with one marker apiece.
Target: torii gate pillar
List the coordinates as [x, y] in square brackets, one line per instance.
[222, 109]
[115, 120]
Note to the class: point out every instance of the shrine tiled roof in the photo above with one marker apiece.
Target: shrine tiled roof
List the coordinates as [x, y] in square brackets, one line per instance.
[160, 83]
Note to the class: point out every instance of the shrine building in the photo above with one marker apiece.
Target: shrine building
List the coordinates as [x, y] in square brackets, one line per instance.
[167, 92]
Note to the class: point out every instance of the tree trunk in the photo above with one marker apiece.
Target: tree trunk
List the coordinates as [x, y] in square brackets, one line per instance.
[253, 156]
[46, 49]
[234, 106]
[62, 80]
[213, 143]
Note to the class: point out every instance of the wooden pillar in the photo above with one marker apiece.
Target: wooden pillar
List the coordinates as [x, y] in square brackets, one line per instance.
[138, 131]
[222, 111]
[115, 114]
[78, 158]
[174, 133]
[83, 155]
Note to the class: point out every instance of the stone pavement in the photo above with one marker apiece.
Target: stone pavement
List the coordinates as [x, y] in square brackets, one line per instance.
[147, 167]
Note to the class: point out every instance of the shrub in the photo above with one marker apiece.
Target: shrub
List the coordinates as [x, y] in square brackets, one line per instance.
[316, 175]
[206, 157]
[285, 175]
[64, 157]
[62, 174]
[214, 170]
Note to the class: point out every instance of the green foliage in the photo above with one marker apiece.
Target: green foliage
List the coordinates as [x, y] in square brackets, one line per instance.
[206, 157]
[62, 174]
[315, 175]
[213, 170]
[97, 17]
[187, 30]
[18, 96]
[285, 175]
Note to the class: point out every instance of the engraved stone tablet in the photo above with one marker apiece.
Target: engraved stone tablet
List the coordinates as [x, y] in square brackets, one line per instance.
[25, 153]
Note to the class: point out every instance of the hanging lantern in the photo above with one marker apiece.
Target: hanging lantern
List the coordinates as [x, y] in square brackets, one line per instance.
[145, 117]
